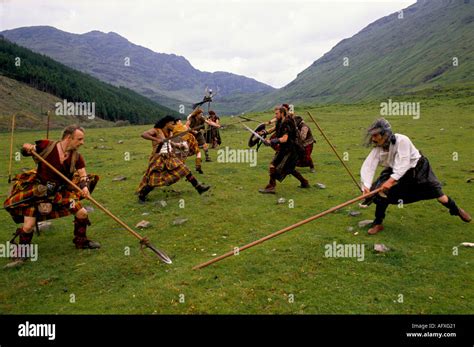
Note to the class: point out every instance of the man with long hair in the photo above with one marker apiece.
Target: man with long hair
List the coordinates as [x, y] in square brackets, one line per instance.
[407, 176]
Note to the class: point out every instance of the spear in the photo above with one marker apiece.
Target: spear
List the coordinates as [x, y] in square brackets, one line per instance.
[143, 240]
[291, 227]
[335, 152]
[11, 150]
[47, 125]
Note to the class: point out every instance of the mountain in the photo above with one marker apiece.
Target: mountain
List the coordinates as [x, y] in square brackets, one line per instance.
[166, 78]
[47, 75]
[391, 56]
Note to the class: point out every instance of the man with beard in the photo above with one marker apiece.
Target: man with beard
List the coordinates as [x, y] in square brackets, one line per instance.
[288, 151]
[407, 176]
[41, 194]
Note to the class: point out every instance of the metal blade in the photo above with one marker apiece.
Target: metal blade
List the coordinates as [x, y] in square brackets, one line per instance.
[256, 135]
[162, 255]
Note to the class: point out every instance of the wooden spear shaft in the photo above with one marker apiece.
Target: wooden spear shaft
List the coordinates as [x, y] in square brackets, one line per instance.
[335, 152]
[47, 126]
[95, 202]
[11, 150]
[291, 227]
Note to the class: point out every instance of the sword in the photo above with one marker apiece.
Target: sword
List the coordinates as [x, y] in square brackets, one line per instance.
[257, 135]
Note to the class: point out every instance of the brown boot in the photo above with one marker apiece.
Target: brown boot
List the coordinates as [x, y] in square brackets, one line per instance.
[269, 189]
[80, 238]
[375, 229]
[465, 217]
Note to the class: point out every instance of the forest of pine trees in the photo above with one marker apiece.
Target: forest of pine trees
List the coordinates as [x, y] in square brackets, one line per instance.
[45, 74]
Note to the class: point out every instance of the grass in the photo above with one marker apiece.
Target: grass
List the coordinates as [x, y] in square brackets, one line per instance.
[288, 274]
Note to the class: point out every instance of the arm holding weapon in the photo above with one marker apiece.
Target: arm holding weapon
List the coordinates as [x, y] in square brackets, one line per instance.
[214, 124]
[27, 148]
[276, 140]
[151, 135]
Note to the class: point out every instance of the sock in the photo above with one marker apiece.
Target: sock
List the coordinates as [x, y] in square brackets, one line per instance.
[192, 179]
[453, 208]
[25, 238]
[272, 182]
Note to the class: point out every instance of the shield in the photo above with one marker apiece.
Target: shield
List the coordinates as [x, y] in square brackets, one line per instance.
[253, 140]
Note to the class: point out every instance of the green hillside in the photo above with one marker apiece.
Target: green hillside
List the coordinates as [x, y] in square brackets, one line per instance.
[431, 47]
[47, 75]
[31, 108]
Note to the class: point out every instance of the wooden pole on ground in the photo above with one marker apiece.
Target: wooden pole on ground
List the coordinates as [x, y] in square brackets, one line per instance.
[291, 227]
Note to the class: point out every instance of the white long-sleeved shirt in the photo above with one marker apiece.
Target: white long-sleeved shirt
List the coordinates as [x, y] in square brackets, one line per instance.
[401, 157]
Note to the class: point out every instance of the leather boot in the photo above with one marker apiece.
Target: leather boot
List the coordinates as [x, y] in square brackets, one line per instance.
[375, 229]
[80, 238]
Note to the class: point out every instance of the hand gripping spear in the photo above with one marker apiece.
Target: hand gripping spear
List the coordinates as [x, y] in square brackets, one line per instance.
[11, 150]
[143, 240]
[291, 227]
[335, 152]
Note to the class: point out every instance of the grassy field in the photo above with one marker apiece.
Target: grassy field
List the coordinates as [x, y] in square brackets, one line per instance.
[289, 274]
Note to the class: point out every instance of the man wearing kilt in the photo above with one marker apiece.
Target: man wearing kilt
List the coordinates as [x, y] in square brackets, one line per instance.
[164, 167]
[196, 123]
[192, 147]
[288, 151]
[41, 194]
[213, 135]
[308, 141]
[407, 176]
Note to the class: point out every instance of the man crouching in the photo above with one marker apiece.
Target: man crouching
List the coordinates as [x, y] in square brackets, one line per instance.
[41, 194]
[407, 174]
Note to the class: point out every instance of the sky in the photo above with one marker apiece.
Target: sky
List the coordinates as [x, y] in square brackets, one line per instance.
[268, 40]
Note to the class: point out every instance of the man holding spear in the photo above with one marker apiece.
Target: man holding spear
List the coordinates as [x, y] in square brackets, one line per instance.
[288, 151]
[164, 167]
[43, 194]
[407, 176]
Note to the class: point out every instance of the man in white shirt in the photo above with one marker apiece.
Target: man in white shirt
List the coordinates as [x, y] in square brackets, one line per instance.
[407, 176]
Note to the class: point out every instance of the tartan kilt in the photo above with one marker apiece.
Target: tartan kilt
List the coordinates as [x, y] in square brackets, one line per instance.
[192, 143]
[163, 170]
[193, 147]
[64, 202]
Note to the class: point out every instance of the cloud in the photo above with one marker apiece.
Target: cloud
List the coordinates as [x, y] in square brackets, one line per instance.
[271, 41]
